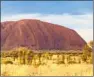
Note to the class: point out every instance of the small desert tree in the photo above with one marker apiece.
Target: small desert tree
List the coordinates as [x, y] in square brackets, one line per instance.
[3, 55]
[24, 55]
[91, 43]
[63, 58]
[14, 54]
[60, 59]
[86, 53]
[68, 58]
[45, 57]
[29, 57]
[36, 62]
[39, 56]
[46, 54]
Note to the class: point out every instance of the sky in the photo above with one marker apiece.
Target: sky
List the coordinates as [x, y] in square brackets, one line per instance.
[77, 15]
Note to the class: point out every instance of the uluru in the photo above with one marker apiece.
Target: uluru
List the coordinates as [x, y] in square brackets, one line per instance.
[38, 35]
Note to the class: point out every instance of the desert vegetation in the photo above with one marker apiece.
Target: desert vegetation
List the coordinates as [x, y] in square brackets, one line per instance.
[23, 61]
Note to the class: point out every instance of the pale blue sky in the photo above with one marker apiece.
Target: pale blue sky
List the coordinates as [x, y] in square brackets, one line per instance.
[77, 15]
[46, 7]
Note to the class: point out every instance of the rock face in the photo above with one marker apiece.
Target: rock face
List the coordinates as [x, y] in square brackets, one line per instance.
[36, 34]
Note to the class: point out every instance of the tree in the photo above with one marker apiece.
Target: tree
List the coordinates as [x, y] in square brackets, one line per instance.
[39, 55]
[24, 55]
[29, 57]
[68, 58]
[60, 59]
[46, 55]
[14, 54]
[36, 62]
[91, 43]
[86, 53]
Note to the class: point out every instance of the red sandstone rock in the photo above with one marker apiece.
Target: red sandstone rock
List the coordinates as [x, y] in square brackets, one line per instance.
[37, 34]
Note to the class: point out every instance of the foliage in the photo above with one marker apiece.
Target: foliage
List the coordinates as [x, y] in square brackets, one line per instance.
[86, 53]
[91, 43]
[60, 59]
[8, 62]
[23, 55]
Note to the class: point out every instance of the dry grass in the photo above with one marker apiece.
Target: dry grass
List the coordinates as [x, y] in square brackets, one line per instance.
[51, 67]
[47, 70]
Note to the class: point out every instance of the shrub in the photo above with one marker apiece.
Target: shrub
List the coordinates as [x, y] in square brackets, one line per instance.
[60, 59]
[8, 62]
[86, 53]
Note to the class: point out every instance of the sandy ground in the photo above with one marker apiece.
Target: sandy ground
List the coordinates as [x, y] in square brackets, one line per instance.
[47, 70]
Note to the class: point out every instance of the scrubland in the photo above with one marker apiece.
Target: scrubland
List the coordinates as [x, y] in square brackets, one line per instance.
[26, 63]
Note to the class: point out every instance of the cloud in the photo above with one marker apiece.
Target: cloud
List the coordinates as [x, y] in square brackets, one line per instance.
[83, 23]
[75, 21]
[86, 34]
